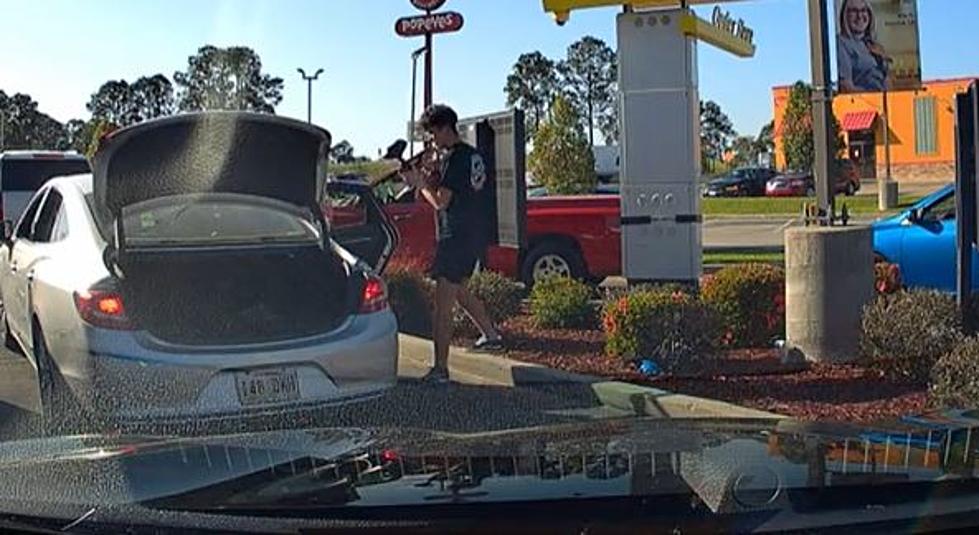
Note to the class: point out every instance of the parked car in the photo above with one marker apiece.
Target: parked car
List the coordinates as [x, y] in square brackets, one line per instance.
[744, 182]
[802, 184]
[23, 172]
[192, 273]
[921, 241]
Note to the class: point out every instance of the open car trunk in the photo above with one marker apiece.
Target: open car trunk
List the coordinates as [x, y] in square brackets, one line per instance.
[226, 297]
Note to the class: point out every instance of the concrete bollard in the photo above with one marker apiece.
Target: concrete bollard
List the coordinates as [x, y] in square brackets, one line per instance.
[888, 195]
[829, 277]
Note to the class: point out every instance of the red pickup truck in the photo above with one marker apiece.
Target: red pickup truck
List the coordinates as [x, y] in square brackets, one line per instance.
[577, 236]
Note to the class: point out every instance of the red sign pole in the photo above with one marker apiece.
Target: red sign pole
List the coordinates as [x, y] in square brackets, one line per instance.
[428, 69]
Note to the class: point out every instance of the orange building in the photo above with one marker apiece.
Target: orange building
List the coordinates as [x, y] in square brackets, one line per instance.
[922, 129]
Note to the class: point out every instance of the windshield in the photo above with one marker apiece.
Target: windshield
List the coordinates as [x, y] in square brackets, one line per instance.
[215, 219]
[652, 265]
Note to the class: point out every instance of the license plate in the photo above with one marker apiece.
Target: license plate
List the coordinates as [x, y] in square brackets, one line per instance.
[267, 386]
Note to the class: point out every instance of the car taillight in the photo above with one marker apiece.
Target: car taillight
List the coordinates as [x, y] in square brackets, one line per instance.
[102, 308]
[374, 298]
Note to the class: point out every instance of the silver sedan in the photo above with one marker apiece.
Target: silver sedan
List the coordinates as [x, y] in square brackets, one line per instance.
[193, 273]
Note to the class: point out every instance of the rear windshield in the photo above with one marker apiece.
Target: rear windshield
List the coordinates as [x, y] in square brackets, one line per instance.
[31, 174]
[215, 219]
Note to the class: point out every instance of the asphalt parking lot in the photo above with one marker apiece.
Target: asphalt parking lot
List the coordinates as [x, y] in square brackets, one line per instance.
[455, 408]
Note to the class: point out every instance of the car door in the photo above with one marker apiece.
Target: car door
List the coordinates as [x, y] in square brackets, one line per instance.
[928, 246]
[415, 220]
[22, 257]
[358, 223]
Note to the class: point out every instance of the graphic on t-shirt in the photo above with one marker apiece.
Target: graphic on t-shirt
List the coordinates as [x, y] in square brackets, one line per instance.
[478, 175]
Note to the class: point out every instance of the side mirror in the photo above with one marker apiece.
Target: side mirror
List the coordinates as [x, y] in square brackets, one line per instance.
[8, 231]
[916, 215]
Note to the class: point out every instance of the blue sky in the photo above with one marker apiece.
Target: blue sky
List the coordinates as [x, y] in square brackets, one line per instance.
[60, 51]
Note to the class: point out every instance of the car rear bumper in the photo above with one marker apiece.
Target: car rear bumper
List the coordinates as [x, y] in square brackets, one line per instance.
[132, 379]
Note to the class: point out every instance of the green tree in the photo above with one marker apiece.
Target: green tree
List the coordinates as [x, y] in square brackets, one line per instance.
[765, 142]
[342, 152]
[588, 75]
[797, 135]
[153, 97]
[797, 142]
[532, 85]
[716, 133]
[122, 103]
[99, 129]
[562, 159]
[113, 102]
[24, 127]
[745, 151]
[227, 79]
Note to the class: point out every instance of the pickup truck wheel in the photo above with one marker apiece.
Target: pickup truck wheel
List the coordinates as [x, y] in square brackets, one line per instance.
[851, 190]
[550, 260]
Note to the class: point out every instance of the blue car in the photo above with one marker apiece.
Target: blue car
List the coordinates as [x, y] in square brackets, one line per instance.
[921, 241]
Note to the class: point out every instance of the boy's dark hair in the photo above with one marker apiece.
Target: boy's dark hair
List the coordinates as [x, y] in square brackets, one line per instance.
[439, 115]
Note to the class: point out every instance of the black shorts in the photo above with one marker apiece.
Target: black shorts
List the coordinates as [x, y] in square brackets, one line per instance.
[455, 260]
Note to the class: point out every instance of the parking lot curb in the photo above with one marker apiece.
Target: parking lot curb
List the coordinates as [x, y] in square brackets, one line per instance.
[481, 368]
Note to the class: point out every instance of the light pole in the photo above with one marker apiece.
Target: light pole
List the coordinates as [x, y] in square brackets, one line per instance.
[414, 97]
[309, 91]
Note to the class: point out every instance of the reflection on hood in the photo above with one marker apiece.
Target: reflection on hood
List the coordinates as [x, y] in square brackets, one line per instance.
[728, 466]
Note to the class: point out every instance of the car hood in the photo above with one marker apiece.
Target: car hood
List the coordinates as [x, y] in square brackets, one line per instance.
[889, 222]
[209, 152]
[726, 464]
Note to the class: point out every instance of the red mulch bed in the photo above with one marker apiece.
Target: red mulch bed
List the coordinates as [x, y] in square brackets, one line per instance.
[751, 378]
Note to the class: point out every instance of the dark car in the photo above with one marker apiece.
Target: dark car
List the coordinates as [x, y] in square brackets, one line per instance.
[744, 182]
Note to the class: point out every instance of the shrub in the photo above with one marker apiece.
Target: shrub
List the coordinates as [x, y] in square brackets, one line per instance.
[887, 278]
[673, 328]
[503, 298]
[955, 377]
[563, 303]
[751, 301]
[905, 333]
[410, 295]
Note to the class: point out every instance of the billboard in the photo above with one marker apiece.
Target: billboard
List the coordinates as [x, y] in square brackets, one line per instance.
[877, 45]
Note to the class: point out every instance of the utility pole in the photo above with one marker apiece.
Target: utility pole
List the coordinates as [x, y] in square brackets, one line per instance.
[822, 108]
[309, 91]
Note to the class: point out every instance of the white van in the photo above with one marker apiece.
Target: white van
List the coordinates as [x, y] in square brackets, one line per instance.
[23, 172]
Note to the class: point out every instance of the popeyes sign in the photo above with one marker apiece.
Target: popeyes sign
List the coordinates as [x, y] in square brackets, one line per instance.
[429, 23]
[446, 22]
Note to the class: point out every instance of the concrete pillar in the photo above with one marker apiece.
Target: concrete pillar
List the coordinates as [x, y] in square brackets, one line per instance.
[887, 197]
[829, 277]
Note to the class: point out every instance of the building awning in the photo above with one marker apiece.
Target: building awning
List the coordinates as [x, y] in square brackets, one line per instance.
[859, 120]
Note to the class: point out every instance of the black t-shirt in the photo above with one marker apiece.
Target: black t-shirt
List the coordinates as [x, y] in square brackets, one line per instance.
[466, 218]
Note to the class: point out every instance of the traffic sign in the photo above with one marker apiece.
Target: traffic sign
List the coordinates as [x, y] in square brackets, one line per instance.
[446, 22]
[428, 5]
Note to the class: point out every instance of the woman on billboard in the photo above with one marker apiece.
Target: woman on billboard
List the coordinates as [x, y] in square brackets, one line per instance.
[861, 60]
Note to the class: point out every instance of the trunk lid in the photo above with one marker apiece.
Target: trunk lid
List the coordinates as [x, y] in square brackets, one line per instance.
[211, 152]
